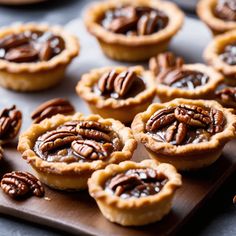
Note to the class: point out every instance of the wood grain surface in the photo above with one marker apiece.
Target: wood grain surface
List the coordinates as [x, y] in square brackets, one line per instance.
[78, 212]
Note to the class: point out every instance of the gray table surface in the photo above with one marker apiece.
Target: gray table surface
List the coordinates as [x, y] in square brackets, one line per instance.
[217, 217]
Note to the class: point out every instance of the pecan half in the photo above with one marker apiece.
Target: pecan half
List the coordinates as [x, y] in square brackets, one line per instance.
[94, 130]
[176, 132]
[51, 108]
[124, 81]
[14, 40]
[10, 123]
[227, 94]
[22, 54]
[218, 121]
[225, 9]
[106, 82]
[20, 184]
[160, 119]
[165, 62]
[89, 149]
[45, 52]
[192, 115]
[55, 139]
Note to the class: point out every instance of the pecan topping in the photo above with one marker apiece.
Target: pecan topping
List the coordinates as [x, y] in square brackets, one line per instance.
[226, 10]
[30, 46]
[55, 139]
[227, 94]
[10, 123]
[136, 183]
[80, 140]
[90, 149]
[185, 124]
[161, 118]
[21, 184]
[228, 54]
[126, 83]
[131, 20]
[51, 108]
[165, 62]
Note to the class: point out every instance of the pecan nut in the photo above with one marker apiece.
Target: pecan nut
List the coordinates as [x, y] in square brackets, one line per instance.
[106, 82]
[192, 115]
[225, 9]
[51, 108]
[227, 94]
[14, 40]
[10, 123]
[20, 184]
[165, 62]
[22, 54]
[55, 139]
[218, 121]
[160, 119]
[89, 149]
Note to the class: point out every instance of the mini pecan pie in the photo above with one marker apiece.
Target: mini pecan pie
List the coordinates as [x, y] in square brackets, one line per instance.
[51, 108]
[226, 96]
[219, 15]
[135, 193]
[178, 80]
[65, 150]
[189, 134]
[117, 92]
[34, 56]
[10, 123]
[221, 54]
[133, 30]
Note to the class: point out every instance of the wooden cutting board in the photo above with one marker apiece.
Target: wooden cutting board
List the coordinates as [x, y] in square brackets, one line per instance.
[78, 212]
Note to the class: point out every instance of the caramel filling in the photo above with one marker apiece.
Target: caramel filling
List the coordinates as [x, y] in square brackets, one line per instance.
[226, 10]
[185, 124]
[119, 85]
[30, 46]
[136, 183]
[78, 141]
[134, 21]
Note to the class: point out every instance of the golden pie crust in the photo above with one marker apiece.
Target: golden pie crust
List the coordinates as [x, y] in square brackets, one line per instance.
[134, 211]
[167, 93]
[34, 76]
[211, 55]
[123, 110]
[205, 10]
[71, 176]
[133, 48]
[189, 156]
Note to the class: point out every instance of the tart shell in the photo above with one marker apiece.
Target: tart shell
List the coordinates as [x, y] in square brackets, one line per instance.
[167, 93]
[189, 156]
[134, 211]
[41, 75]
[71, 176]
[205, 10]
[123, 110]
[133, 48]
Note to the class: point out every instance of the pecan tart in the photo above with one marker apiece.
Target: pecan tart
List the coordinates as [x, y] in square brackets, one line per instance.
[10, 123]
[133, 30]
[219, 15]
[189, 134]
[65, 150]
[135, 193]
[178, 80]
[221, 54]
[34, 56]
[117, 92]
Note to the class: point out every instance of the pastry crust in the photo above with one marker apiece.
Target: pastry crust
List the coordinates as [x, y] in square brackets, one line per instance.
[74, 175]
[133, 48]
[116, 108]
[211, 55]
[167, 93]
[188, 156]
[134, 211]
[206, 14]
[37, 75]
